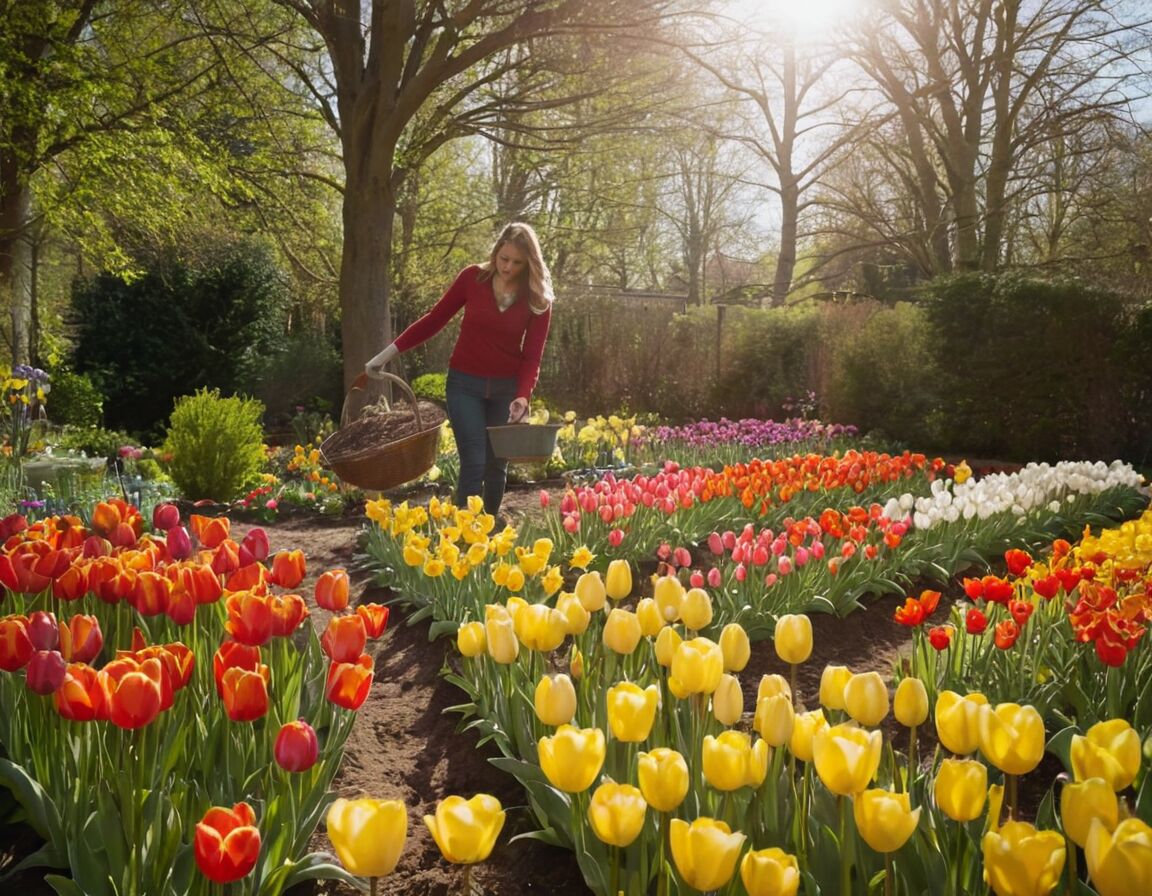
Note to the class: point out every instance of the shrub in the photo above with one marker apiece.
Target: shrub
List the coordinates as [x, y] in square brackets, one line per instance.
[76, 401]
[216, 445]
[302, 371]
[91, 440]
[431, 386]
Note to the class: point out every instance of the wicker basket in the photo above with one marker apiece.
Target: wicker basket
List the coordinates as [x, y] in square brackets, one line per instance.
[384, 466]
[524, 442]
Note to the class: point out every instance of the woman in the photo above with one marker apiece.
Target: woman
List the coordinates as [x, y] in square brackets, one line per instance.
[507, 302]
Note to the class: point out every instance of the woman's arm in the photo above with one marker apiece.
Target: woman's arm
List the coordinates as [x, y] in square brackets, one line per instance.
[437, 317]
[534, 338]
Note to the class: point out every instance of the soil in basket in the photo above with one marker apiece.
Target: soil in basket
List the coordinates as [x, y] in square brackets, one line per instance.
[377, 426]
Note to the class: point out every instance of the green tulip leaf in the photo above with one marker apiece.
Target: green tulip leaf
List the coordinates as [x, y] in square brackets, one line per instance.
[442, 628]
[546, 835]
[42, 813]
[47, 856]
[64, 886]
[1060, 746]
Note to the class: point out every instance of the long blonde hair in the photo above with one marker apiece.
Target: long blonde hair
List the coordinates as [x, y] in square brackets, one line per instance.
[524, 238]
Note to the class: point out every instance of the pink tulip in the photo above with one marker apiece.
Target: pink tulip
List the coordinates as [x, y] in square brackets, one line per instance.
[801, 556]
[784, 565]
[568, 503]
[571, 524]
[179, 543]
[43, 631]
[741, 572]
[770, 580]
[616, 537]
[714, 578]
[779, 546]
[728, 539]
[818, 550]
[759, 556]
[256, 541]
[696, 579]
[715, 545]
[45, 671]
[165, 516]
[683, 558]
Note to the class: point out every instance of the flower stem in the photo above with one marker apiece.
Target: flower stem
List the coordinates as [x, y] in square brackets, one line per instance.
[845, 856]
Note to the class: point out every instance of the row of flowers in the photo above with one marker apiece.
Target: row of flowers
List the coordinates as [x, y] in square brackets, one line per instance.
[171, 718]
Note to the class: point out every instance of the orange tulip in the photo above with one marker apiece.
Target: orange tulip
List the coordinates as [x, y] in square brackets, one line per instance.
[151, 594]
[197, 579]
[233, 654]
[245, 694]
[332, 590]
[349, 683]
[227, 843]
[15, 644]
[288, 611]
[81, 697]
[287, 569]
[210, 531]
[249, 618]
[344, 639]
[225, 559]
[72, 584]
[375, 618]
[135, 692]
[81, 639]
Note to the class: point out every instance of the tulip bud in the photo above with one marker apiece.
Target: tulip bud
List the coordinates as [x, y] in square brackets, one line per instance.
[728, 701]
[555, 700]
[43, 630]
[696, 610]
[616, 813]
[663, 777]
[500, 638]
[736, 646]
[165, 516]
[470, 639]
[911, 703]
[666, 643]
[296, 748]
[618, 583]
[632, 710]
[775, 718]
[804, 729]
[793, 638]
[332, 590]
[179, 543]
[958, 721]
[669, 596]
[591, 592]
[622, 631]
[45, 671]
[960, 788]
[770, 685]
[833, 680]
[885, 820]
[866, 698]
[256, 542]
[650, 619]
[576, 663]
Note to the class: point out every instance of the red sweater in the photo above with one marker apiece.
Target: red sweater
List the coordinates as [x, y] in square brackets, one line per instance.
[492, 343]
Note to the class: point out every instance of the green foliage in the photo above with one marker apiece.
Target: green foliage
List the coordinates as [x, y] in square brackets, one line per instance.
[206, 323]
[302, 371]
[431, 386]
[93, 441]
[75, 400]
[216, 445]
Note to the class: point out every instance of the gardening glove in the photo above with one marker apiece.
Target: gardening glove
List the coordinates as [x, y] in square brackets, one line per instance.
[375, 367]
[517, 410]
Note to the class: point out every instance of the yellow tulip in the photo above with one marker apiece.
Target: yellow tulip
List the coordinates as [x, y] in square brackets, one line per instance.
[368, 835]
[555, 700]
[632, 710]
[770, 872]
[1120, 862]
[663, 776]
[540, 627]
[513, 605]
[1012, 737]
[1108, 750]
[616, 813]
[793, 638]
[576, 663]
[669, 596]
[591, 592]
[500, 635]
[961, 787]
[770, 685]
[885, 819]
[696, 610]
[572, 757]
[705, 852]
[1021, 861]
[846, 757]
[732, 761]
[650, 619]
[622, 631]
[774, 720]
[866, 698]
[958, 721]
[470, 639]
[666, 643]
[466, 830]
[574, 612]
[910, 705]
[1082, 802]
[618, 582]
[833, 680]
[728, 700]
[804, 729]
[736, 646]
[696, 667]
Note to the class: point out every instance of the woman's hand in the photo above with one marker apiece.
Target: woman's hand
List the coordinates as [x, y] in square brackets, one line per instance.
[517, 410]
[375, 366]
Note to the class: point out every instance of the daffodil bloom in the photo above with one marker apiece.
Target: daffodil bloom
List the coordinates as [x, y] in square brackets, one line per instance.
[846, 757]
[696, 667]
[961, 787]
[466, 830]
[1021, 861]
[696, 609]
[833, 680]
[368, 835]
[705, 852]
[1120, 861]
[555, 700]
[572, 758]
[581, 557]
[1012, 737]
[1108, 750]
[632, 710]
[1082, 802]
[618, 582]
[910, 705]
[616, 813]
[732, 761]
[774, 720]
[622, 631]
[866, 698]
[958, 721]
[885, 819]
[770, 872]
[591, 592]
[728, 700]
[663, 776]
[552, 580]
[736, 646]
[793, 638]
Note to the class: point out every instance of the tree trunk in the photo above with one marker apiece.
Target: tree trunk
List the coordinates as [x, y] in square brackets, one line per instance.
[786, 258]
[15, 255]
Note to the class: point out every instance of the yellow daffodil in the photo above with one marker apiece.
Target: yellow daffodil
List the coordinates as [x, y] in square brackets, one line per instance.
[581, 557]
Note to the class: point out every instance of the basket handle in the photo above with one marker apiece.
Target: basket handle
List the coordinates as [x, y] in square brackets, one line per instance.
[361, 381]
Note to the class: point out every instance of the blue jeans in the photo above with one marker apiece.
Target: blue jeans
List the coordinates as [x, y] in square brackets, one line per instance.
[474, 404]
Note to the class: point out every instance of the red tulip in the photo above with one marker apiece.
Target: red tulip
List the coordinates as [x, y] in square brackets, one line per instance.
[349, 683]
[940, 636]
[1047, 587]
[179, 543]
[151, 594]
[375, 618]
[245, 694]
[182, 604]
[296, 748]
[16, 646]
[233, 654]
[1006, 634]
[45, 671]
[43, 631]
[288, 569]
[227, 843]
[123, 536]
[225, 558]
[165, 517]
[975, 621]
[18, 573]
[1021, 611]
[332, 590]
[13, 524]
[72, 584]
[344, 638]
[249, 618]
[256, 543]
[135, 692]
[81, 639]
[1018, 561]
[81, 696]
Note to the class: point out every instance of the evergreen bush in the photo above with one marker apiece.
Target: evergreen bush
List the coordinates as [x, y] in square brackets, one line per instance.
[431, 386]
[76, 401]
[216, 445]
